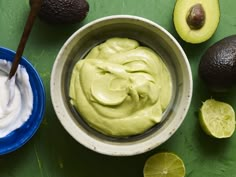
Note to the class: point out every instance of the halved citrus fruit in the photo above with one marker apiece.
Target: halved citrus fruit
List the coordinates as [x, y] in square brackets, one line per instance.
[217, 118]
[164, 164]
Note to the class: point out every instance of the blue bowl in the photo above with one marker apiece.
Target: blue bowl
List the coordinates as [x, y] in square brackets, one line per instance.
[20, 136]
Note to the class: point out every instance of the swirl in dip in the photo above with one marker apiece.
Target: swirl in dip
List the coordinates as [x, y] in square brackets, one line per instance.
[16, 111]
[121, 88]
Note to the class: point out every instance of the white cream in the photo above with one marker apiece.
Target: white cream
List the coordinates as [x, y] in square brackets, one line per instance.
[15, 112]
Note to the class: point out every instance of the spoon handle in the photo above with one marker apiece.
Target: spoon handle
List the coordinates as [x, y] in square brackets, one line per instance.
[35, 7]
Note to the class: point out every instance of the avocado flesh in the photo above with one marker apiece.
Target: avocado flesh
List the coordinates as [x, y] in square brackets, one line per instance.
[217, 67]
[63, 11]
[212, 17]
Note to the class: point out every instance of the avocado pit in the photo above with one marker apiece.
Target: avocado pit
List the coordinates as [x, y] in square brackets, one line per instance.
[196, 17]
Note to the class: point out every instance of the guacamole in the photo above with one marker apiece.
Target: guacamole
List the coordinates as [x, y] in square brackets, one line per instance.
[121, 88]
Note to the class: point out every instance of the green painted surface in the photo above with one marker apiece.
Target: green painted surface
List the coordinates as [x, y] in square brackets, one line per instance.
[53, 153]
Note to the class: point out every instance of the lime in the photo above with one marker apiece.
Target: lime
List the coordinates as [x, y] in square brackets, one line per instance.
[164, 164]
[217, 118]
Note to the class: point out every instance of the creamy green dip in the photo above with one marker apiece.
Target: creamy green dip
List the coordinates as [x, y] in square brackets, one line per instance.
[121, 88]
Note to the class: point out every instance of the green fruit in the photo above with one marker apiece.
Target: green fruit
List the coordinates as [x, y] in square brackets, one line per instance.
[195, 20]
[217, 119]
[164, 164]
[217, 67]
[63, 11]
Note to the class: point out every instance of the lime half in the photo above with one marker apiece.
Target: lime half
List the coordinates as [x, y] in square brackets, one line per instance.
[164, 164]
[217, 118]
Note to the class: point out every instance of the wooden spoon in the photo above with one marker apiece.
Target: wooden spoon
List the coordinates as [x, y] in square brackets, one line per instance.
[35, 7]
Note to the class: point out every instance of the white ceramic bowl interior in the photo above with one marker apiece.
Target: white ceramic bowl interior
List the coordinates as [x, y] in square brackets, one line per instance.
[147, 33]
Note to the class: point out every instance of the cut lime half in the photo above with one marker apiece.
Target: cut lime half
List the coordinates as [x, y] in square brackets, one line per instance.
[164, 164]
[217, 118]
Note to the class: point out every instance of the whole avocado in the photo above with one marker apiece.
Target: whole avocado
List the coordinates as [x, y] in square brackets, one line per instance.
[63, 11]
[217, 67]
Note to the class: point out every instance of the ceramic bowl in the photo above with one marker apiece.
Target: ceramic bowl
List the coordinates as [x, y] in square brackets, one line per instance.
[147, 33]
[20, 136]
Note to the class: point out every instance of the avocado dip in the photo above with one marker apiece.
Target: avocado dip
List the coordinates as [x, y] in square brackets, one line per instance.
[121, 88]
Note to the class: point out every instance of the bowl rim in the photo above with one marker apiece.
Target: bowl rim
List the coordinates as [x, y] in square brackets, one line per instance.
[88, 141]
[20, 136]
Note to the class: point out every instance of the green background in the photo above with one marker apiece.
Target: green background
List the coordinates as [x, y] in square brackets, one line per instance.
[52, 152]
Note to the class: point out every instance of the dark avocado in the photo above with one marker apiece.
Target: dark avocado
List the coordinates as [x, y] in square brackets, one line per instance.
[196, 20]
[63, 11]
[217, 67]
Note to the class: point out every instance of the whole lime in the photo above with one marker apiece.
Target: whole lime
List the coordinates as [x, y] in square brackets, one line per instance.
[217, 67]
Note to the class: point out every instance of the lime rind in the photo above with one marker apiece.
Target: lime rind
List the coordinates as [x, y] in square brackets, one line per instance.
[217, 119]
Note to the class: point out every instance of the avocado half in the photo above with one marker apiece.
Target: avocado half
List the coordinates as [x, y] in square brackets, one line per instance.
[196, 20]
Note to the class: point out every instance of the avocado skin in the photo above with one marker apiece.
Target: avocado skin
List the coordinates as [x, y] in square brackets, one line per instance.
[63, 11]
[217, 67]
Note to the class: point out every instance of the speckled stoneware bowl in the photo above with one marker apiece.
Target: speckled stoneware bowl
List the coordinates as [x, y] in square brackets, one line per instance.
[147, 33]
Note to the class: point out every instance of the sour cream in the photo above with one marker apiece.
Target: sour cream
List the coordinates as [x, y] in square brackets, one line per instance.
[16, 111]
